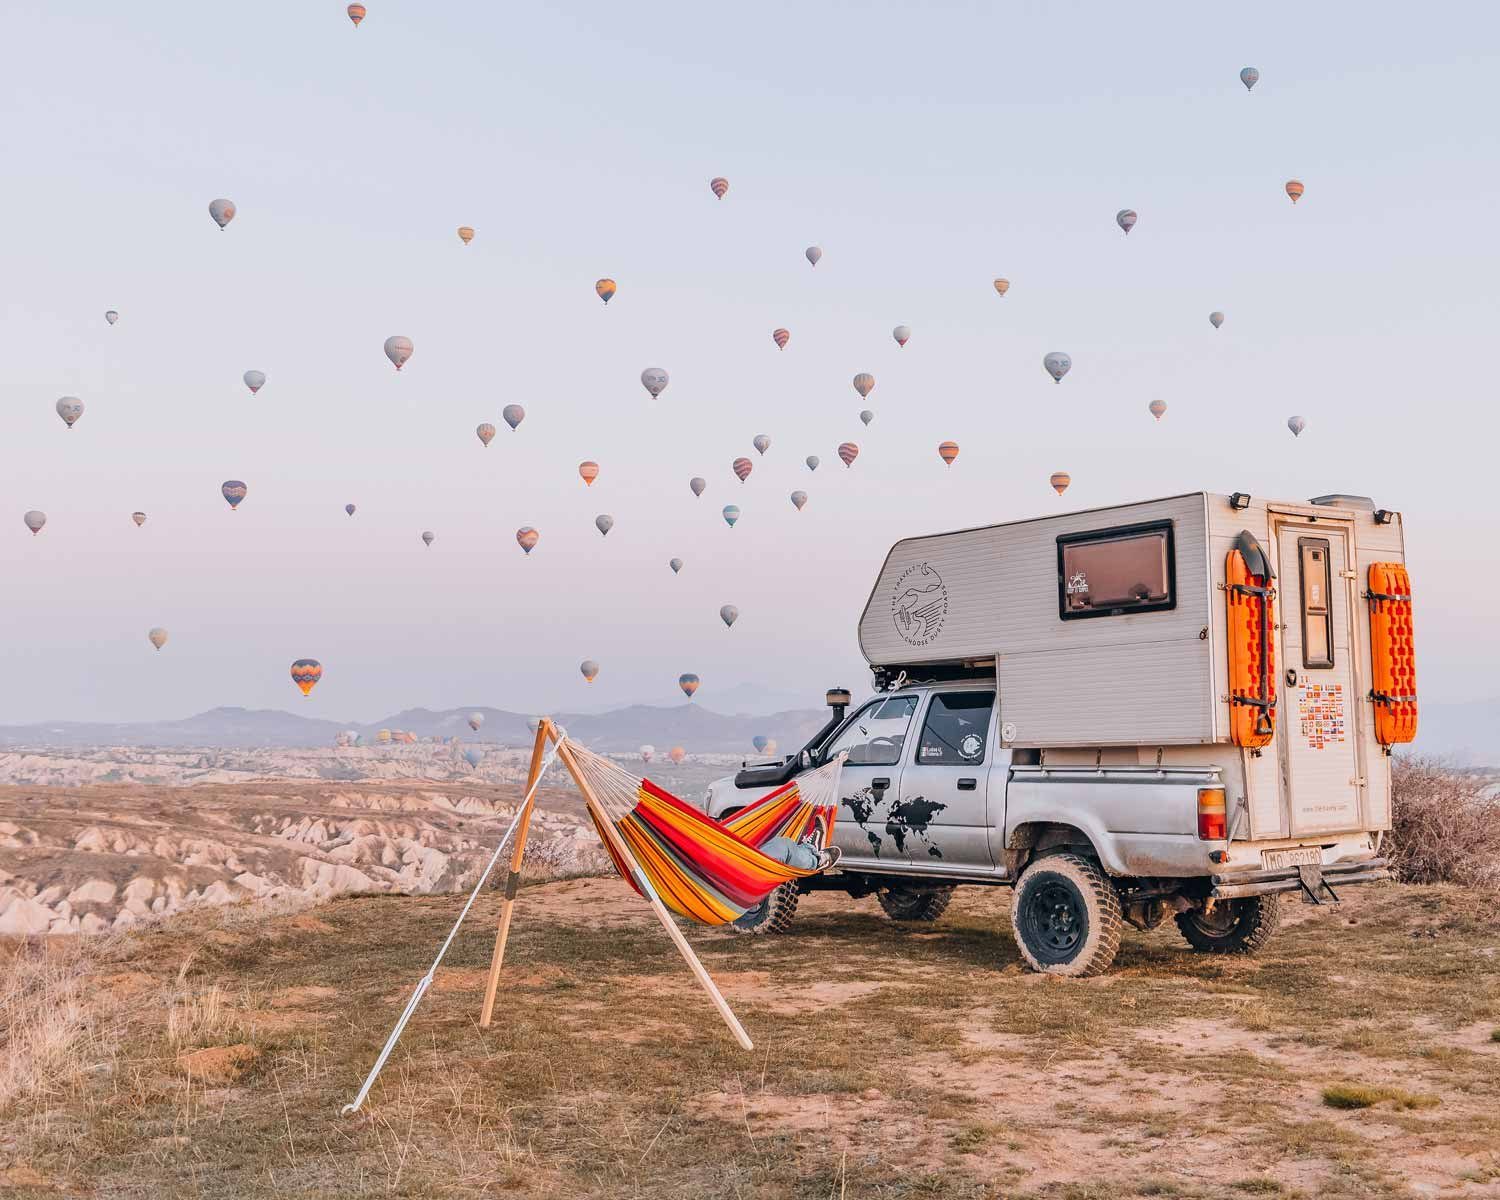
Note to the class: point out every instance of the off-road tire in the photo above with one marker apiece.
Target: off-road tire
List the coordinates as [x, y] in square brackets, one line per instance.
[903, 905]
[773, 915]
[1066, 916]
[1244, 927]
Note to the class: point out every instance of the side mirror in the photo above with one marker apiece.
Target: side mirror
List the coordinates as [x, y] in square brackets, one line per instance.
[805, 759]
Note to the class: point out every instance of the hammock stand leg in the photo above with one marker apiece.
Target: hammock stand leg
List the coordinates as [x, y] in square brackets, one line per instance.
[513, 880]
[607, 827]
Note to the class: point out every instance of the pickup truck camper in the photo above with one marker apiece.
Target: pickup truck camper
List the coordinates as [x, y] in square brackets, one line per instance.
[1182, 708]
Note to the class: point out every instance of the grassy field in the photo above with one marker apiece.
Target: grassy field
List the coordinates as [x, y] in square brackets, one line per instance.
[1357, 1057]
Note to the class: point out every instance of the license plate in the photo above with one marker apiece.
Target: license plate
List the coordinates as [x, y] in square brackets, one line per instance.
[1299, 856]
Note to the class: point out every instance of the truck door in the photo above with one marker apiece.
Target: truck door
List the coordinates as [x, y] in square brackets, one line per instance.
[876, 739]
[1318, 739]
[941, 817]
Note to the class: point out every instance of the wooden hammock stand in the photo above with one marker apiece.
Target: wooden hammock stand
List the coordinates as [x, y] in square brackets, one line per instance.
[546, 732]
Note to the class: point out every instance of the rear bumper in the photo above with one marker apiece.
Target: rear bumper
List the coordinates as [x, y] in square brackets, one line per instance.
[1311, 880]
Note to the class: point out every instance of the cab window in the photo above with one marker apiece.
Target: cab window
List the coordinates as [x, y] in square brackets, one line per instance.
[956, 730]
[876, 736]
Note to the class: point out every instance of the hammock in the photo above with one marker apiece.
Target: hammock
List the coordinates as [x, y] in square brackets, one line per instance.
[709, 871]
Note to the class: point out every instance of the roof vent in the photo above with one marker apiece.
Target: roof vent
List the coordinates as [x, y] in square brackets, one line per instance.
[1344, 500]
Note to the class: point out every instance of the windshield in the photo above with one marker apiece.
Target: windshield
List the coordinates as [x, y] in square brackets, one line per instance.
[877, 733]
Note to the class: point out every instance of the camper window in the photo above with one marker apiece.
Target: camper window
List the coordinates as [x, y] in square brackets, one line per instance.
[1108, 572]
[875, 736]
[1317, 617]
[956, 730]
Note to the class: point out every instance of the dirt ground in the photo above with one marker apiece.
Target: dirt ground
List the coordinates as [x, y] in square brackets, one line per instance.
[209, 1056]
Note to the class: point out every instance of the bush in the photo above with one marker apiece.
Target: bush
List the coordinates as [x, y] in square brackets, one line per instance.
[1445, 828]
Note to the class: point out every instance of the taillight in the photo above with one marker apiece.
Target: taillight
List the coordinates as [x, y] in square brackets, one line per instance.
[1212, 825]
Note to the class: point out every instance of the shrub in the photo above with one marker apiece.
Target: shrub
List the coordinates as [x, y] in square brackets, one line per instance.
[1358, 1095]
[1445, 829]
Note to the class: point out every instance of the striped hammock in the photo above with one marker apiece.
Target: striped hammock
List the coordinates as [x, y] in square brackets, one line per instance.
[712, 872]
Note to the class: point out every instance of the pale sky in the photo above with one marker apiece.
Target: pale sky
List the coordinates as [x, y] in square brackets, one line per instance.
[926, 148]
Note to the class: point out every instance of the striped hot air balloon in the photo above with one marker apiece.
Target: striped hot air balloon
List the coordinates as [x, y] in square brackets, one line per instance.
[485, 432]
[761, 442]
[731, 514]
[948, 451]
[606, 289]
[398, 349]
[1126, 219]
[356, 13]
[1060, 481]
[1249, 76]
[527, 538]
[305, 674]
[781, 337]
[1002, 286]
[742, 468]
[864, 384]
[139, 518]
[719, 185]
[688, 682]
[588, 471]
[1294, 189]
[466, 234]
[1157, 408]
[848, 451]
[233, 490]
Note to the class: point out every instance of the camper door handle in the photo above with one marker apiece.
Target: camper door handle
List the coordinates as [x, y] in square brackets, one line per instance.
[967, 785]
[879, 785]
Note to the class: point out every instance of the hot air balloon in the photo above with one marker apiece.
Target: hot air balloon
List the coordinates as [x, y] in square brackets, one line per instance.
[902, 333]
[813, 254]
[466, 234]
[1060, 481]
[157, 637]
[255, 380]
[729, 614]
[1157, 408]
[742, 468]
[866, 416]
[527, 538]
[720, 185]
[761, 442]
[697, 483]
[476, 719]
[676, 565]
[383, 737]
[864, 384]
[222, 211]
[1216, 319]
[473, 756]
[428, 537]
[604, 523]
[1249, 76]
[398, 349]
[1125, 219]
[654, 380]
[760, 741]
[1002, 286]
[1296, 425]
[812, 461]
[1294, 189]
[606, 289]
[356, 13]
[688, 683]
[513, 415]
[111, 316]
[781, 337]
[35, 519]
[139, 518]
[485, 432]
[1058, 364]
[848, 451]
[676, 754]
[648, 753]
[349, 508]
[233, 490]
[948, 451]
[731, 514]
[588, 668]
[305, 674]
[70, 408]
[588, 471]
[798, 500]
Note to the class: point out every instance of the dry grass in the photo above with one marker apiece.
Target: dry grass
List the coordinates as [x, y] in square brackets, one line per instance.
[1446, 829]
[1360, 1095]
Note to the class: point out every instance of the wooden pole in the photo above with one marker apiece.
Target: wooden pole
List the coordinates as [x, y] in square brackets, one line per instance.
[607, 828]
[513, 880]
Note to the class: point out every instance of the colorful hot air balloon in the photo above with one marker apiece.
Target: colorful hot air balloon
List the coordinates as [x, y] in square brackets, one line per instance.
[781, 337]
[864, 384]
[255, 380]
[742, 468]
[676, 754]
[761, 442]
[676, 565]
[902, 334]
[812, 461]
[349, 508]
[866, 416]
[69, 408]
[1157, 408]
[606, 289]
[588, 668]
[698, 484]
[428, 537]
[1125, 219]
[729, 614]
[1296, 425]
[513, 415]
[688, 683]
[1058, 364]
[157, 637]
[473, 756]
[719, 185]
[398, 349]
[647, 753]
[1060, 481]
[948, 451]
[1249, 76]
[731, 514]
[1002, 286]
[35, 519]
[798, 500]
[654, 380]
[527, 538]
[588, 471]
[139, 518]
[813, 254]
[1216, 319]
[760, 741]
[233, 490]
[305, 674]
[111, 316]
[485, 432]
[466, 234]
[604, 523]
[1294, 189]
[222, 211]
[356, 13]
[476, 719]
[848, 451]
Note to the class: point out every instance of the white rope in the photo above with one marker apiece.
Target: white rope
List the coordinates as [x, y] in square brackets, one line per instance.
[426, 981]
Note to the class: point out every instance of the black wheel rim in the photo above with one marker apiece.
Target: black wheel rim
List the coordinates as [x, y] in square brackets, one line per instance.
[1054, 920]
